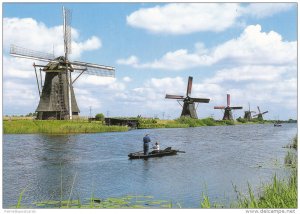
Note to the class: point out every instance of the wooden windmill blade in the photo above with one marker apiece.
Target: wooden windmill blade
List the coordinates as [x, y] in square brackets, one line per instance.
[177, 97]
[258, 109]
[236, 107]
[228, 99]
[200, 100]
[219, 107]
[21, 52]
[189, 86]
[67, 17]
[265, 112]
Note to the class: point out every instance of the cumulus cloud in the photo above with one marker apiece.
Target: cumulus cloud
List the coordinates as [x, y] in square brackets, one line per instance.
[178, 18]
[185, 18]
[262, 10]
[252, 47]
[31, 34]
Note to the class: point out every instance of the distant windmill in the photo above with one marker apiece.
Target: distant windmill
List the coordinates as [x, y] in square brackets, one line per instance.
[260, 114]
[228, 108]
[57, 99]
[188, 108]
[248, 114]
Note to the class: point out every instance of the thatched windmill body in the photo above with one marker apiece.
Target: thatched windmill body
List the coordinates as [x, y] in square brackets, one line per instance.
[188, 107]
[57, 98]
[227, 109]
[260, 114]
[248, 114]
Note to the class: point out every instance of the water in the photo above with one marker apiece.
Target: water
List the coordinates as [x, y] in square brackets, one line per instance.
[216, 158]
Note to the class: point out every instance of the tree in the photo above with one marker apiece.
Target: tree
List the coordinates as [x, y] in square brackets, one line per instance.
[99, 117]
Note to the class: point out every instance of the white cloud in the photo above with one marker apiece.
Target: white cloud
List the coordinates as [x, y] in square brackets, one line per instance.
[28, 33]
[127, 79]
[19, 94]
[132, 60]
[262, 10]
[17, 68]
[252, 47]
[249, 73]
[185, 18]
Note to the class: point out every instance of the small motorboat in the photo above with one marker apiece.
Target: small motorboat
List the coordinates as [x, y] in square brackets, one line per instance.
[277, 124]
[166, 152]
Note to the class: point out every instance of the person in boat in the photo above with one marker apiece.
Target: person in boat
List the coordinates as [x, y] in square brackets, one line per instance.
[146, 141]
[156, 147]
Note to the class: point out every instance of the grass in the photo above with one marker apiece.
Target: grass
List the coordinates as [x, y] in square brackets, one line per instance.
[57, 127]
[186, 122]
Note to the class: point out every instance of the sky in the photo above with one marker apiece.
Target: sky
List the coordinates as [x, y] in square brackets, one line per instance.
[248, 50]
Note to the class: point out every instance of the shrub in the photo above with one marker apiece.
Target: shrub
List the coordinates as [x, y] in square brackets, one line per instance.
[99, 117]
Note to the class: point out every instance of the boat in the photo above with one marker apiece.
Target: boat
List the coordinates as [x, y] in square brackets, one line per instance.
[277, 124]
[166, 152]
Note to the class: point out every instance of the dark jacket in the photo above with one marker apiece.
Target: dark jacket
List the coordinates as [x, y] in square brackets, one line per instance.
[146, 139]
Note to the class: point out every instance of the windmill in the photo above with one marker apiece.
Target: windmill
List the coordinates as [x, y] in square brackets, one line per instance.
[188, 108]
[260, 114]
[248, 114]
[57, 98]
[228, 108]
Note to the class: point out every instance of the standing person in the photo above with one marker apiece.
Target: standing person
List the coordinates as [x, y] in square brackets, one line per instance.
[146, 141]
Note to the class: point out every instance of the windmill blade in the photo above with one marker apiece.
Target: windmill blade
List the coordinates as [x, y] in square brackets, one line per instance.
[93, 69]
[219, 107]
[258, 109]
[255, 115]
[200, 100]
[67, 16]
[189, 86]
[236, 107]
[265, 112]
[228, 99]
[178, 97]
[18, 51]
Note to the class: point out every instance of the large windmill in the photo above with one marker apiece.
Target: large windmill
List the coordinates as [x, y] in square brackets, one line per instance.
[260, 114]
[227, 109]
[57, 99]
[188, 108]
[248, 114]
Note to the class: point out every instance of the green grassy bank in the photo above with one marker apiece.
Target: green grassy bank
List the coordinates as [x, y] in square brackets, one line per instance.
[57, 127]
[185, 122]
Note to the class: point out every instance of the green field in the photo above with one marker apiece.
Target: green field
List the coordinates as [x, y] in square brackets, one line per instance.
[57, 127]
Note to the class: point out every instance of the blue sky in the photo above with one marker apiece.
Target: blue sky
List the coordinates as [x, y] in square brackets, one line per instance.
[247, 50]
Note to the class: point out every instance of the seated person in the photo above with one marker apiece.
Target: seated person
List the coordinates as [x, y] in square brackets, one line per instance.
[156, 147]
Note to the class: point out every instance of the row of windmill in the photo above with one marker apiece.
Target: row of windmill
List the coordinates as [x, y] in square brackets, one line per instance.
[189, 109]
[57, 98]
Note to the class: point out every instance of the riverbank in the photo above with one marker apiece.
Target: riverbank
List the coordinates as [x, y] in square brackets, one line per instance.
[31, 126]
[186, 122]
[57, 127]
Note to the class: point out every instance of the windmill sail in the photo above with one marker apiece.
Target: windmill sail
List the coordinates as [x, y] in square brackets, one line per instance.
[57, 99]
[188, 108]
[228, 113]
[21, 52]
